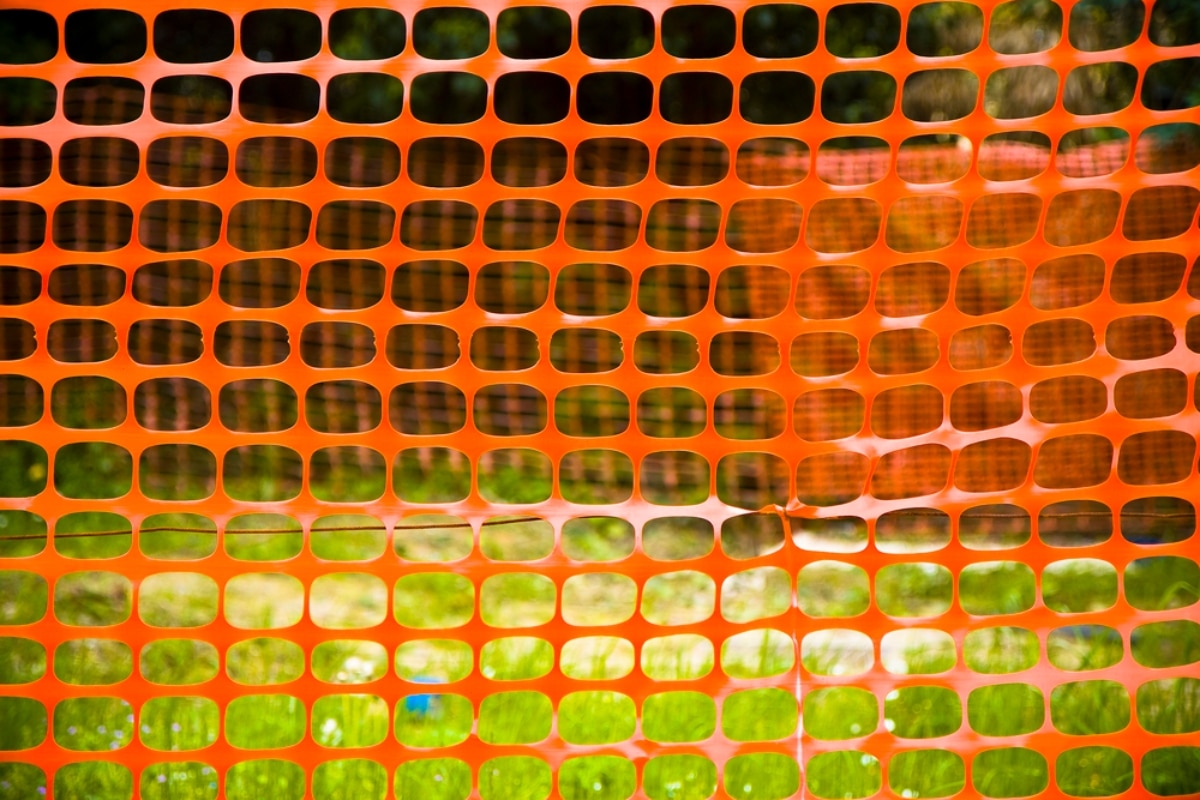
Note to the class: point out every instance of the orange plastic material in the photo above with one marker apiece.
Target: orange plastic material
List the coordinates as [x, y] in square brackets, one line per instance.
[966, 329]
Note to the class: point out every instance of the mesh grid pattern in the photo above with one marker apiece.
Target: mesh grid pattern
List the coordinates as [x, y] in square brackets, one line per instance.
[646, 379]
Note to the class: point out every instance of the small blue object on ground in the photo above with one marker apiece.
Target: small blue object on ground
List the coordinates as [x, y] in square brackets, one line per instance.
[422, 703]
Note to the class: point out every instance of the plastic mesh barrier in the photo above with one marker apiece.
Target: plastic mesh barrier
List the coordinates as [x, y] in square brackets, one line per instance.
[599, 401]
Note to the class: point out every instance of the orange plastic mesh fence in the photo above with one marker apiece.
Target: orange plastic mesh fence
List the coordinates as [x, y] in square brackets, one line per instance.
[643, 376]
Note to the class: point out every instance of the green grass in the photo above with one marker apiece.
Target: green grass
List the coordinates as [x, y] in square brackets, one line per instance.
[596, 717]
[830, 592]
[187, 723]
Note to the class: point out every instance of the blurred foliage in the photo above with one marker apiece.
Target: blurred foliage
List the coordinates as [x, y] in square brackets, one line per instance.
[1025, 26]
[851, 31]
[27, 37]
[1105, 24]
[944, 29]
[361, 34]
[780, 30]
[698, 31]
[616, 32]
[1175, 22]
[450, 33]
[862, 30]
[533, 32]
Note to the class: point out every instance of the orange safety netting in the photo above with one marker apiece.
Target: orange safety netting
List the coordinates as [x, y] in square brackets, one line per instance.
[586, 336]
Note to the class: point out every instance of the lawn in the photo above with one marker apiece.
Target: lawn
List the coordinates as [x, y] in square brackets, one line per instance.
[825, 590]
